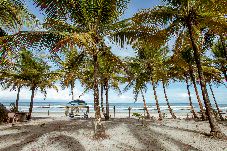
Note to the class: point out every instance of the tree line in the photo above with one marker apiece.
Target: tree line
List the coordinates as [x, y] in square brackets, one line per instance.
[74, 37]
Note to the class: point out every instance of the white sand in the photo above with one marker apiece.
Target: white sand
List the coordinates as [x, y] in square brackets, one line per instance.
[57, 132]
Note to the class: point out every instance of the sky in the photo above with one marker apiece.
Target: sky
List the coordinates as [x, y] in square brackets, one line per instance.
[176, 92]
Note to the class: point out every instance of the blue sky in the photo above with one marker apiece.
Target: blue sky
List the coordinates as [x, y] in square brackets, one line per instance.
[177, 92]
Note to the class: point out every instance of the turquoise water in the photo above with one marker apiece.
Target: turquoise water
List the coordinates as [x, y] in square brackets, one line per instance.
[120, 107]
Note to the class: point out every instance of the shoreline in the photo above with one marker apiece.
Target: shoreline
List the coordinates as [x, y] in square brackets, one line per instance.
[117, 115]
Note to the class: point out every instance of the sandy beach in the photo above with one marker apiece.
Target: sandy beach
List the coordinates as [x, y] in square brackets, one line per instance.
[57, 132]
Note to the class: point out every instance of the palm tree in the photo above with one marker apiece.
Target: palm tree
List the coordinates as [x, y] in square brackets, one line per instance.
[187, 56]
[36, 74]
[14, 82]
[213, 75]
[137, 78]
[164, 75]
[179, 71]
[69, 63]
[156, 98]
[11, 78]
[190, 99]
[167, 101]
[90, 22]
[193, 16]
[215, 101]
[219, 53]
[145, 105]
[109, 69]
[102, 107]
[147, 66]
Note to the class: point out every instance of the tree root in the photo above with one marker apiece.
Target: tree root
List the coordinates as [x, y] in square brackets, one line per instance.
[218, 135]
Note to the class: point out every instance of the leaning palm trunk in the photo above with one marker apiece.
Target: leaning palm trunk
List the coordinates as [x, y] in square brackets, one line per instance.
[197, 93]
[156, 99]
[190, 99]
[224, 71]
[18, 97]
[215, 129]
[107, 100]
[145, 106]
[215, 101]
[167, 101]
[31, 104]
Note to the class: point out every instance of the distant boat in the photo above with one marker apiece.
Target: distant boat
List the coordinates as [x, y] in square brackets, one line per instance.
[77, 102]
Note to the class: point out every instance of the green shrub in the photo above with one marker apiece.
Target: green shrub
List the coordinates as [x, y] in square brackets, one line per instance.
[3, 113]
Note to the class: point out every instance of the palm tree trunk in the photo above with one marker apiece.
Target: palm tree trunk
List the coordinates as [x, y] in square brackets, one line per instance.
[107, 100]
[2, 32]
[96, 88]
[224, 46]
[197, 93]
[145, 106]
[18, 97]
[215, 129]
[102, 98]
[190, 99]
[156, 99]
[224, 71]
[167, 101]
[72, 93]
[31, 104]
[215, 101]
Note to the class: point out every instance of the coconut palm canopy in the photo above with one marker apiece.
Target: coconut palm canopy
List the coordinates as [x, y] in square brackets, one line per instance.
[79, 37]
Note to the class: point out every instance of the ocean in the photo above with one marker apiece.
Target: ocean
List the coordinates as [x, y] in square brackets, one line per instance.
[120, 107]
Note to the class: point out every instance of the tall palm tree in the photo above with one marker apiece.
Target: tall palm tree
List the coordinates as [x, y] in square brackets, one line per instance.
[147, 66]
[69, 63]
[213, 75]
[179, 71]
[167, 101]
[190, 98]
[36, 75]
[193, 16]
[215, 101]
[165, 76]
[187, 56]
[90, 22]
[137, 79]
[14, 81]
[109, 69]
[110, 66]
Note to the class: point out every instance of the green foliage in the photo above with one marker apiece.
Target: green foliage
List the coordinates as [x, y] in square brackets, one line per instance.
[14, 15]
[85, 11]
[3, 113]
[29, 71]
[136, 115]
